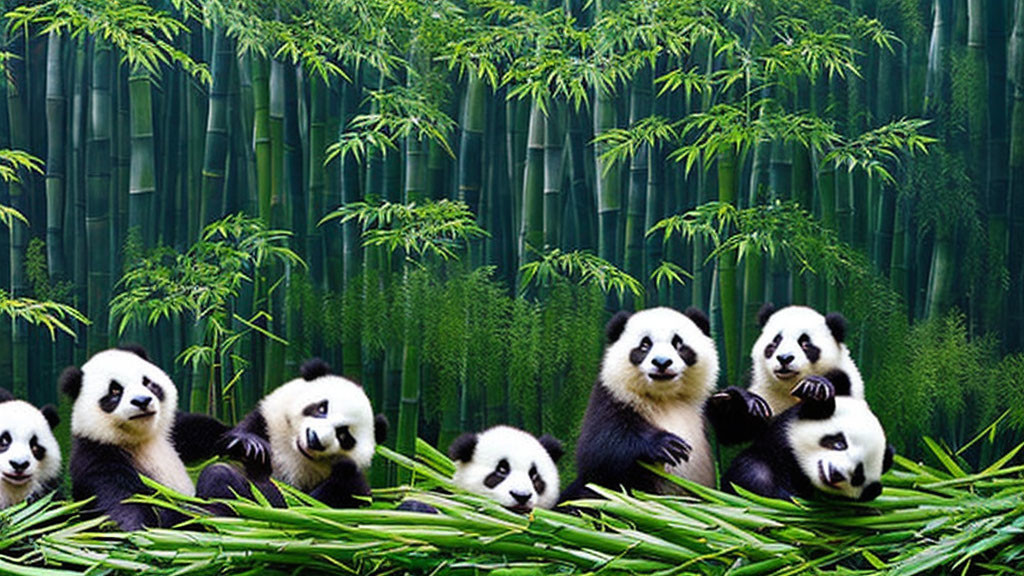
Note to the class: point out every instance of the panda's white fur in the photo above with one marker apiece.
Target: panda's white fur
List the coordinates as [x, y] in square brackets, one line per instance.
[26, 440]
[672, 399]
[855, 439]
[143, 433]
[773, 381]
[528, 469]
[289, 422]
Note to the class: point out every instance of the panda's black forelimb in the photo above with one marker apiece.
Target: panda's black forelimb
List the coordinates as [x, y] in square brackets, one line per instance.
[737, 415]
[818, 398]
[346, 487]
[247, 442]
[224, 481]
[196, 436]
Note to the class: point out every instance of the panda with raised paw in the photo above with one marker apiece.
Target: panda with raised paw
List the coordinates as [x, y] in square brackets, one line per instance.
[659, 367]
[317, 433]
[124, 425]
[509, 465]
[29, 453]
[823, 444]
[795, 342]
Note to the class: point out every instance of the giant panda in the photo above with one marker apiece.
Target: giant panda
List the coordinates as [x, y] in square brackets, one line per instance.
[316, 433]
[647, 405]
[29, 453]
[824, 444]
[508, 465]
[125, 424]
[795, 342]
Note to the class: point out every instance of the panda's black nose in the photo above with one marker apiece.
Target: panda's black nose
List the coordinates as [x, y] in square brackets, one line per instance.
[520, 497]
[19, 467]
[785, 359]
[142, 402]
[661, 362]
[313, 441]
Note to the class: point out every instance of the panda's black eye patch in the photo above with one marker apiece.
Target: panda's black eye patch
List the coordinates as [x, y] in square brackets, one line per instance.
[539, 485]
[637, 355]
[769, 350]
[833, 441]
[685, 352]
[38, 450]
[112, 398]
[155, 388]
[345, 438]
[810, 350]
[5, 441]
[316, 409]
[498, 476]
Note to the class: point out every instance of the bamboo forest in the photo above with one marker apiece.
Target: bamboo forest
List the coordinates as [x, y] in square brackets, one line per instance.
[447, 200]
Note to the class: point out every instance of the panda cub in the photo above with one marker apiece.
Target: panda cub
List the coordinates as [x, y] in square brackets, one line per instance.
[796, 342]
[508, 465]
[316, 433]
[647, 405]
[125, 424]
[828, 444]
[29, 454]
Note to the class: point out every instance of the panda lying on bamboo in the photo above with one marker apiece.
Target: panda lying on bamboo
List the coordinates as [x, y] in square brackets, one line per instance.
[823, 444]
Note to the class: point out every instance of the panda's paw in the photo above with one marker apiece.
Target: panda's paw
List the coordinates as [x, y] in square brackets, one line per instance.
[668, 448]
[735, 403]
[249, 448]
[814, 389]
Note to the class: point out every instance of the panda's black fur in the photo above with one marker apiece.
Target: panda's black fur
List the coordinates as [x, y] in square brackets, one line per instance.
[316, 433]
[125, 424]
[822, 445]
[647, 405]
[795, 342]
[29, 453]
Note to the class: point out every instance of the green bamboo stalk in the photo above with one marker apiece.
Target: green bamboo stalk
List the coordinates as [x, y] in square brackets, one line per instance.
[727, 171]
[142, 203]
[936, 79]
[216, 146]
[351, 353]
[554, 138]
[317, 199]
[274, 372]
[531, 230]
[197, 119]
[471, 154]
[997, 161]
[753, 264]
[609, 180]
[636, 198]
[17, 108]
[98, 182]
[518, 114]
[1015, 193]
[56, 157]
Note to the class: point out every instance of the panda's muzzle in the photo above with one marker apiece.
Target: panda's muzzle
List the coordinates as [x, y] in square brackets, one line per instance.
[832, 476]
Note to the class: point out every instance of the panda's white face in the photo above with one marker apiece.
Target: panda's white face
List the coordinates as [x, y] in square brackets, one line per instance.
[124, 400]
[843, 455]
[660, 355]
[312, 424]
[29, 454]
[512, 467]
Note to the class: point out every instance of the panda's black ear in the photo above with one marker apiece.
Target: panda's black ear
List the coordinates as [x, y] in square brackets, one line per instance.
[50, 413]
[70, 381]
[890, 452]
[136, 349]
[616, 325]
[552, 445]
[766, 311]
[380, 428]
[314, 368]
[5, 395]
[837, 325]
[462, 448]
[700, 319]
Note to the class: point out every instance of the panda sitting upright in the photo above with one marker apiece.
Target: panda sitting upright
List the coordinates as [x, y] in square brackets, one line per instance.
[125, 423]
[316, 433]
[29, 454]
[509, 465]
[795, 342]
[828, 444]
[647, 405]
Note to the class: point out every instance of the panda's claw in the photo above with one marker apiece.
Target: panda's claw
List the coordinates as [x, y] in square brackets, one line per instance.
[671, 449]
[814, 388]
[759, 408]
